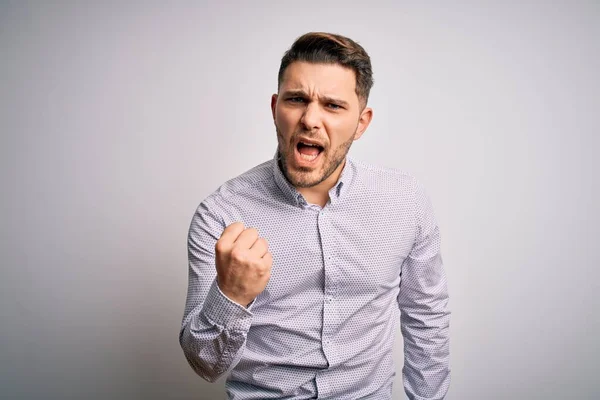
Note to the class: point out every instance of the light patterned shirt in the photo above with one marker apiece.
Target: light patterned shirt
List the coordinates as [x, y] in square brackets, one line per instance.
[343, 276]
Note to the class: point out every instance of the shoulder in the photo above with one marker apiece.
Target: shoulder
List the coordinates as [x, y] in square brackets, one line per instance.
[252, 180]
[391, 187]
[384, 177]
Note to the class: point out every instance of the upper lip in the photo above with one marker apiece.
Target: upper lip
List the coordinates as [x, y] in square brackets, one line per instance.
[309, 141]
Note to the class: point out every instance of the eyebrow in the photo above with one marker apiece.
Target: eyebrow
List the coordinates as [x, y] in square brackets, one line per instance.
[326, 99]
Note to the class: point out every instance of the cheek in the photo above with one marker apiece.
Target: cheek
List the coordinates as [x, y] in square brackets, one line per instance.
[286, 120]
[340, 131]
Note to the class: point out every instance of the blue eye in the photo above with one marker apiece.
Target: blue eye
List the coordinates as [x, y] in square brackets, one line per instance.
[334, 106]
[296, 99]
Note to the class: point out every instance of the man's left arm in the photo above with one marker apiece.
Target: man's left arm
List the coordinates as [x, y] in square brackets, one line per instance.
[423, 302]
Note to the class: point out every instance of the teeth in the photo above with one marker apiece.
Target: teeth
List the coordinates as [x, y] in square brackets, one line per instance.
[308, 157]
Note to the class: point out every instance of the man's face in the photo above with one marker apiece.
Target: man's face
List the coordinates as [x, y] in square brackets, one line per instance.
[317, 117]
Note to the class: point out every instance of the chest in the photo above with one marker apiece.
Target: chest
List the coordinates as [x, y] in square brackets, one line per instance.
[342, 250]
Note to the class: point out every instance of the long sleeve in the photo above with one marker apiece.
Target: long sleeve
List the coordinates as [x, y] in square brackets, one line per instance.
[214, 328]
[423, 302]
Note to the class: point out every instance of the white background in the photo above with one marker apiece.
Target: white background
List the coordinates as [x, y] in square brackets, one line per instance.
[117, 120]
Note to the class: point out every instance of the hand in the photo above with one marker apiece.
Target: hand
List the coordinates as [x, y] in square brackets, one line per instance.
[243, 263]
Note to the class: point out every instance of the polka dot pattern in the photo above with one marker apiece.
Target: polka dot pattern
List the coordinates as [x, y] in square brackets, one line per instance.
[343, 276]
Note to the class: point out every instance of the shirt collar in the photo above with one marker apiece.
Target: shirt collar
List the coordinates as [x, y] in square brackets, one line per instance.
[291, 193]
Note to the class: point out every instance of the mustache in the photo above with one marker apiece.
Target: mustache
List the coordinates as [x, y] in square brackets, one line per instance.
[308, 135]
[313, 135]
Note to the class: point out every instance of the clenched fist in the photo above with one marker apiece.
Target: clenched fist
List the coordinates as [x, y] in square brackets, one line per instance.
[243, 263]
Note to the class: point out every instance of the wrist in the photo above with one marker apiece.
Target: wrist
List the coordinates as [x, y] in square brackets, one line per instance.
[243, 301]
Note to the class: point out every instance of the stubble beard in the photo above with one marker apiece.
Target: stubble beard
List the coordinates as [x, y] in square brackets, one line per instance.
[305, 177]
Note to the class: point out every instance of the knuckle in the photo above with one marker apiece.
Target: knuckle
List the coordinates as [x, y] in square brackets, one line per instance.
[255, 264]
[260, 272]
[219, 246]
[264, 268]
[235, 225]
[266, 274]
[237, 254]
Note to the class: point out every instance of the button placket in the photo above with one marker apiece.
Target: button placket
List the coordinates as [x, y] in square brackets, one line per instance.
[330, 307]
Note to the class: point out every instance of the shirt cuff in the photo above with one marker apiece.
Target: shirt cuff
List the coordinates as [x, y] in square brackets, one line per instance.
[225, 312]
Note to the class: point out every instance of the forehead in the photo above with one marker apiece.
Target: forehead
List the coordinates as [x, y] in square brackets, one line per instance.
[322, 78]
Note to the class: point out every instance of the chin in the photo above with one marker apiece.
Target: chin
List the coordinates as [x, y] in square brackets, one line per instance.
[300, 177]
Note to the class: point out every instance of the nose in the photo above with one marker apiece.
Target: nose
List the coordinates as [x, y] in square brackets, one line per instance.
[311, 119]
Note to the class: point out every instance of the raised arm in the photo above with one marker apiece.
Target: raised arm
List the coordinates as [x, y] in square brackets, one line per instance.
[214, 328]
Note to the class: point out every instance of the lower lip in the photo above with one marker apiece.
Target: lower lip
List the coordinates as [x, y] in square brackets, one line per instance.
[301, 162]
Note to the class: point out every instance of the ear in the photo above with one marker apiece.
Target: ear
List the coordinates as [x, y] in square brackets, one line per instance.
[273, 104]
[363, 122]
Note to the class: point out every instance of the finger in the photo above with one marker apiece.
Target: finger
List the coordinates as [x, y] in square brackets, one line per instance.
[260, 247]
[268, 259]
[231, 233]
[247, 238]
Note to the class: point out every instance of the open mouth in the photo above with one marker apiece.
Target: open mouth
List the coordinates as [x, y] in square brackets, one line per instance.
[308, 152]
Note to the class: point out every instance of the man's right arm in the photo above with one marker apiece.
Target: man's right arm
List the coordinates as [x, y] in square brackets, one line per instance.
[214, 328]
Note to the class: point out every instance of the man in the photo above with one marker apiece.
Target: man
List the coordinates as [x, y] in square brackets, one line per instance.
[299, 267]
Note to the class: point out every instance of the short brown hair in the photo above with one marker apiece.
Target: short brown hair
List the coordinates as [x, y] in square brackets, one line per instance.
[330, 48]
